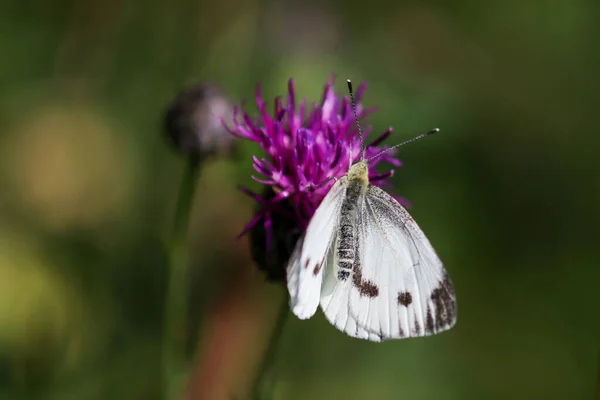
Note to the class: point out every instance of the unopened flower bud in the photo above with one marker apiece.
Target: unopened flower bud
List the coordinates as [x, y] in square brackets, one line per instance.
[193, 121]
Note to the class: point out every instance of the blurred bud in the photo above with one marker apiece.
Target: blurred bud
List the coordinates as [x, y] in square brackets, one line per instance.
[193, 121]
[273, 242]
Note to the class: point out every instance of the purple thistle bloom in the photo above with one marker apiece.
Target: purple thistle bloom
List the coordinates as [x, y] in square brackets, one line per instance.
[304, 149]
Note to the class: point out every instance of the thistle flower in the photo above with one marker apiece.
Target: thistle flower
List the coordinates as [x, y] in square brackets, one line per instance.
[304, 149]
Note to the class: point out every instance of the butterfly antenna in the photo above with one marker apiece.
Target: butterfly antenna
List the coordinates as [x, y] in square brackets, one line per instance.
[421, 136]
[360, 133]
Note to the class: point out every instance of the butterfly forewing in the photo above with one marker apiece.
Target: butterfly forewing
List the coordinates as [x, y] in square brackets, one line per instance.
[414, 295]
[305, 268]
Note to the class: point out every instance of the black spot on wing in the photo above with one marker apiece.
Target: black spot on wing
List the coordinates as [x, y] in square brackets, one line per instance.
[400, 330]
[444, 304]
[429, 322]
[417, 326]
[317, 269]
[404, 299]
[365, 287]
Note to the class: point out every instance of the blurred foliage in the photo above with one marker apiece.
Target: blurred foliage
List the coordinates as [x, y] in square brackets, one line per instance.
[508, 194]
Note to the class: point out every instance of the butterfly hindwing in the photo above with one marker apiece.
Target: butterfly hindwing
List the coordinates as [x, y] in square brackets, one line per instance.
[309, 259]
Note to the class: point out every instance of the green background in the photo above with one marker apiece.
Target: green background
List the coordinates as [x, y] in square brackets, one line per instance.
[508, 193]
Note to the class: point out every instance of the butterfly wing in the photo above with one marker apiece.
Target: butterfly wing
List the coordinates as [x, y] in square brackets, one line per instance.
[335, 303]
[310, 256]
[399, 287]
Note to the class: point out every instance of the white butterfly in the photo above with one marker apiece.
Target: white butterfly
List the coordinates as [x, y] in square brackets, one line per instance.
[369, 265]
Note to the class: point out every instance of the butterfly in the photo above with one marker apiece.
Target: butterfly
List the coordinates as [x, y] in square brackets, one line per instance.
[368, 264]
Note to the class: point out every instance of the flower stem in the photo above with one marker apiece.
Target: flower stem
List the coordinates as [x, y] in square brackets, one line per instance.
[598, 377]
[269, 356]
[174, 332]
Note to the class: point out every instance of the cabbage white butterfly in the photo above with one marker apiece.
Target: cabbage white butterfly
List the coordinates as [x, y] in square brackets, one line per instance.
[368, 264]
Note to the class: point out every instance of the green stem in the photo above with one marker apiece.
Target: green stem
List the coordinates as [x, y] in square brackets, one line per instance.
[269, 356]
[598, 377]
[173, 351]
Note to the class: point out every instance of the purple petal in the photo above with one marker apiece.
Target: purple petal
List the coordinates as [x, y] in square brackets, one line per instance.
[360, 91]
[251, 224]
[268, 233]
[263, 181]
[382, 177]
[381, 138]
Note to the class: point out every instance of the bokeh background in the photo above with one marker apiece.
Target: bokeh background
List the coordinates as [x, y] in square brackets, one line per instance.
[508, 194]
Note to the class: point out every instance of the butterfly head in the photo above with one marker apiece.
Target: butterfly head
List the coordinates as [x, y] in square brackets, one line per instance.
[359, 171]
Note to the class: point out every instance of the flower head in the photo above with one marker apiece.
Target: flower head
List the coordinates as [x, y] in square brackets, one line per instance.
[305, 149]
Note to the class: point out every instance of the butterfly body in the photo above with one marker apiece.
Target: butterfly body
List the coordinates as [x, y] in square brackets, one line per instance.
[356, 181]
